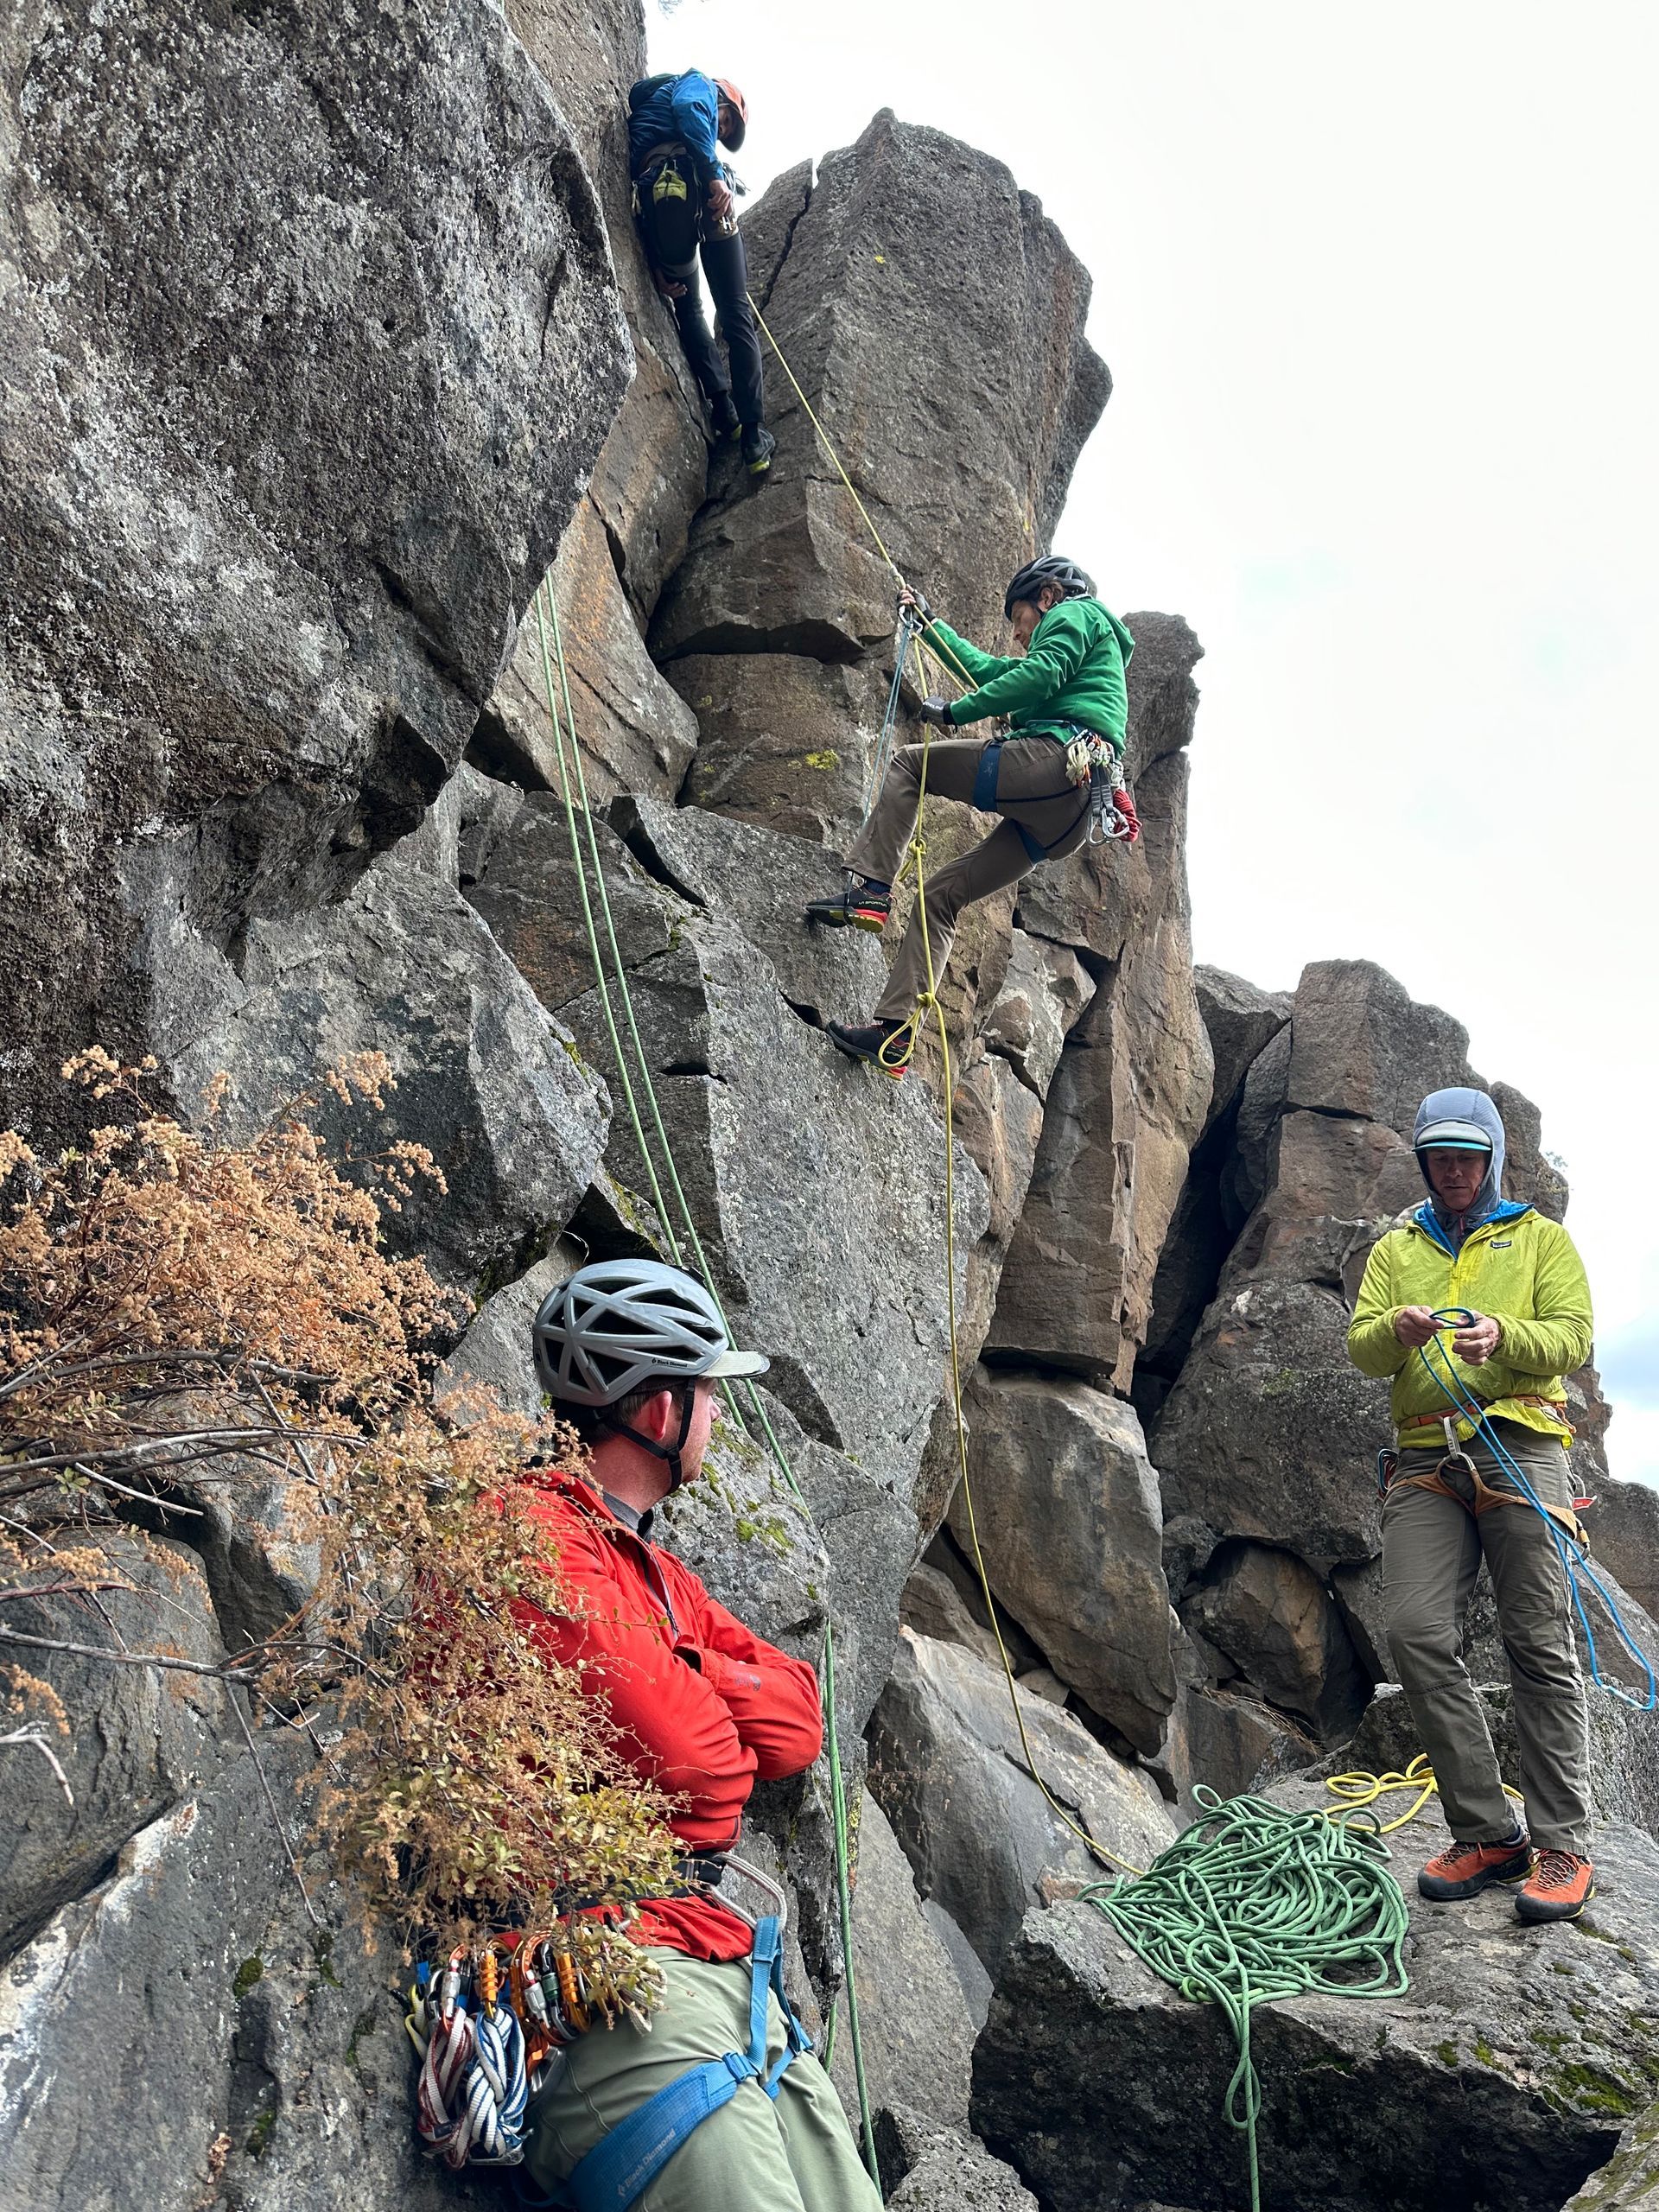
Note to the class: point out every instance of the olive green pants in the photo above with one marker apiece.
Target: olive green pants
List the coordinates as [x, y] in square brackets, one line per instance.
[793, 2153]
[1032, 793]
[1432, 1550]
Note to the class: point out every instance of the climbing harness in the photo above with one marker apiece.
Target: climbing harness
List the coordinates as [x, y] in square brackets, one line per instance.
[624, 2162]
[1456, 1476]
[1251, 1904]
[1568, 1546]
[573, 788]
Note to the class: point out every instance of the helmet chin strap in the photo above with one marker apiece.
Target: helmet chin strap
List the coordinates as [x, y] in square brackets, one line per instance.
[670, 1452]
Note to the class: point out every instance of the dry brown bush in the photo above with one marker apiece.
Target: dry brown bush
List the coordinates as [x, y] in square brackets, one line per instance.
[182, 1315]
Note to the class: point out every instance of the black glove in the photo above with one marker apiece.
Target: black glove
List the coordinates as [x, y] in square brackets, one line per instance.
[936, 710]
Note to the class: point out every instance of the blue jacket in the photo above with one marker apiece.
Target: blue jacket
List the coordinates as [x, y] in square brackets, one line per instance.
[686, 107]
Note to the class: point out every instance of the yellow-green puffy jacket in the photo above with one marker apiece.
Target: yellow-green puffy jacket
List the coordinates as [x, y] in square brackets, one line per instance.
[1521, 1269]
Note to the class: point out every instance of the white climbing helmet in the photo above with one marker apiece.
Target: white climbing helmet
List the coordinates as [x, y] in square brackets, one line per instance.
[617, 1324]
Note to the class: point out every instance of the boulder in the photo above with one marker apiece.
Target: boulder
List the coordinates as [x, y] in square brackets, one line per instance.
[517, 872]
[932, 1605]
[1076, 1288]
[273, 2066]
[784, 740]
[1623, 1531]
[761, 882]
[635, 732]
[267, 525]
[1230, 1742]
[918, 2037]
[1277, 1622]
[802, 1174]
[1073, 1530]
[1502, 2076]
[1240, 1021]
[1630, 2180]
[949, 1769]
[486, 1079]
[1271, 1431]
[136, 1739]
[866, 277]
[1045, 991]
[928, 2168]
[1361, 1046]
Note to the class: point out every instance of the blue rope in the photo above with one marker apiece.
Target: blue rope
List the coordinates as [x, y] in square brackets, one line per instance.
[1575, 1566]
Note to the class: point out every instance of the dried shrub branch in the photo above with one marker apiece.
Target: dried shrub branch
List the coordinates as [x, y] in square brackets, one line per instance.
[189, 1320]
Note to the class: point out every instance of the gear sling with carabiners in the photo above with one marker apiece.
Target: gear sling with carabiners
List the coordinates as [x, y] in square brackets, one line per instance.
[624, 2162]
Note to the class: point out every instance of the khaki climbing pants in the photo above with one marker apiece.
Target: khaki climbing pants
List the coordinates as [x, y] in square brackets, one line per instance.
[756, 2154]
[1031, 793]
[1432, 1550]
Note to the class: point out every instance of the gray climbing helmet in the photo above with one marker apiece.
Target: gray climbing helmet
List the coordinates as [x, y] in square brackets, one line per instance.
[1053, 569]
[616, 1324]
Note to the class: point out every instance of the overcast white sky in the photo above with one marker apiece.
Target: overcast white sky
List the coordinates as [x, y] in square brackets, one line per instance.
[1377, 289]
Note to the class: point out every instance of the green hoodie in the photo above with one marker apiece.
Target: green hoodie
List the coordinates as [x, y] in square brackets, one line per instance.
[1072, 671]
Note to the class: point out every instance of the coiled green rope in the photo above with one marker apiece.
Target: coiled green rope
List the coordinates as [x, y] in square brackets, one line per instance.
[1252, 1902]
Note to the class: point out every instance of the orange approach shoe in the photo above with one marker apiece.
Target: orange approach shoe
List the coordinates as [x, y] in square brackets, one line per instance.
[1463, 1870]
[1561, 1886]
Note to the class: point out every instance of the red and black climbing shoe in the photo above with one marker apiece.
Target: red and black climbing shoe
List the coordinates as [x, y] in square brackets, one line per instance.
[759, 447]
[1558, 1888]
[856, 906]
[1463, 1870]
[884, 1044]
[723, 408]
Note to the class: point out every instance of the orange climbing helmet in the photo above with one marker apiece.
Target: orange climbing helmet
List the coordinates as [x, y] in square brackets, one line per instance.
[740, 108]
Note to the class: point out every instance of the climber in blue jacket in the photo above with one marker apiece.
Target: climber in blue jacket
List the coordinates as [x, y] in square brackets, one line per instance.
[684, 205]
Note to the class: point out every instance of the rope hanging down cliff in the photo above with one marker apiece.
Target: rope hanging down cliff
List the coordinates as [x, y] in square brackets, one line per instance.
[908, 635]
[573, 788]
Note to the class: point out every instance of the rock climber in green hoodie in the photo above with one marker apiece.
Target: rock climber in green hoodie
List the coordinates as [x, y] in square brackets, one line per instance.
[1066, 685]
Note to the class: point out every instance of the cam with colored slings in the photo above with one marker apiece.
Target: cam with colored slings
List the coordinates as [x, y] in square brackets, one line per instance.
[573, 787]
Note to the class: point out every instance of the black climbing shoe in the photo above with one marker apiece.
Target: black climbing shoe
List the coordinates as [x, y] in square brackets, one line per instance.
[884, 1044]
[759, 447]
[863, 908]
[723, 408]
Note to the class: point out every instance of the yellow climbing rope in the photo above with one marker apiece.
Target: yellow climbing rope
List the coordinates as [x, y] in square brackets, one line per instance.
[1357, 1792]
[929, 1000]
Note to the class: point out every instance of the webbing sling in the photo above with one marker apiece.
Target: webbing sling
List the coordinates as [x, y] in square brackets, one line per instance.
[623, 2165]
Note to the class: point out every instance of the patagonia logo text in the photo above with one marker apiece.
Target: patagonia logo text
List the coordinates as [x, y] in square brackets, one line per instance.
[1502, 1243]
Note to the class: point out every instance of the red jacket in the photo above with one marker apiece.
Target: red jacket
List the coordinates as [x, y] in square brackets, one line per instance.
[703, 1707]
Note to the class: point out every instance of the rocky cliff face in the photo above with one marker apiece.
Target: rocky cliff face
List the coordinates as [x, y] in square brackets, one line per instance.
[325, 340]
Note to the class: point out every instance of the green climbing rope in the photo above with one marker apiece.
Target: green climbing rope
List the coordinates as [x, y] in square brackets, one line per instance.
[1252, 1902]
[573, 786]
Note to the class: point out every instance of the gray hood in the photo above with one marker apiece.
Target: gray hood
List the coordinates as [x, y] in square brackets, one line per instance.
[1463, 1105]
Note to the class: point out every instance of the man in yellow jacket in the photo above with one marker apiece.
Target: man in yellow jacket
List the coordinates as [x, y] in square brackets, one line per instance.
[1524, 1323]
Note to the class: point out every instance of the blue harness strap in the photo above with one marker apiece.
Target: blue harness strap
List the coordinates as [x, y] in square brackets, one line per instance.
[985, 776]
[623, 2165]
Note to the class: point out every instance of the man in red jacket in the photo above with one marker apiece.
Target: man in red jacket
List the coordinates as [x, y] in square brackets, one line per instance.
[631, 1352]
